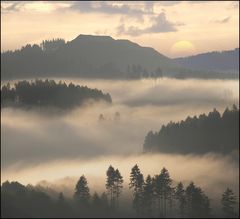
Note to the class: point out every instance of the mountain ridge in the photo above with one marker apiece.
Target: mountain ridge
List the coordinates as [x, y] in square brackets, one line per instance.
[95, 56]
[221, 61]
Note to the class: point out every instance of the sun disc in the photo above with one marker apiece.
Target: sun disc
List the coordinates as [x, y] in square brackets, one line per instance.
[183, 47]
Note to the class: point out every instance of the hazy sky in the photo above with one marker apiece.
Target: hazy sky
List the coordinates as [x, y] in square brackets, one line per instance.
[201, 26]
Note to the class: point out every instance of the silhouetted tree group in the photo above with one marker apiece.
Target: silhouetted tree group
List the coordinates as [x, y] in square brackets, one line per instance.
[51, 45]
[153, 197]
[157, 197]
[49, 93]
[206, 133]
[137, 71]
[114, 186]
[229, 201]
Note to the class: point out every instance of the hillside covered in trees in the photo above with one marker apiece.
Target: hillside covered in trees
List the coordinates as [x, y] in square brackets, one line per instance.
[203, 134]
[225, 61]
[156, 196]
[97, 57]
[49, 93]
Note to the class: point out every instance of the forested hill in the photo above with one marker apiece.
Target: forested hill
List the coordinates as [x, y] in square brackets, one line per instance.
[49, 93]
[225, 61]
[96, 57]
[85, 56]
[198, 135]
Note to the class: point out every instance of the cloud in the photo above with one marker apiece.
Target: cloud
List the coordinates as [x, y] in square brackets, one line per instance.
[199, 2]
[36, 137]
[37, 6]
[233, 5]
[107, 8]
[11, 6]
[168, 3]
[160, 24]
[38, 145]
[223, 21]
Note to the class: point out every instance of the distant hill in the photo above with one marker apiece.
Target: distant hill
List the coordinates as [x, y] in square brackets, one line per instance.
[93, 57]
[225, 61]
[198, 135]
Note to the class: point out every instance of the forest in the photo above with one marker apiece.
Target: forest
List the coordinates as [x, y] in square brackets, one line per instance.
[59, 58]
[83, 57]
[49, 93]
[154, 196]
[206, 133]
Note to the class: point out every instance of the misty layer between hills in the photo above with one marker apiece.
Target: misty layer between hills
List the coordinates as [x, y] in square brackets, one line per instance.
[37, 136]
[44, 145]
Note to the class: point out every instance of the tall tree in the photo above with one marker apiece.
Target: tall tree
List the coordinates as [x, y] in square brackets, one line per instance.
[82, 194]
[96, 201]
[118, 181]
[166, 182]
[148, 196]
[228, 203]
[104, 201]
[158, 193]
[198, 204]
[180, 196]
[136, 183]
[110, 185]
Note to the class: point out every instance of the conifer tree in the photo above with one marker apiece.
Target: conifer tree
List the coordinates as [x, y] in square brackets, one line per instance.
[228, 203]
[82, 194]
[136, 183]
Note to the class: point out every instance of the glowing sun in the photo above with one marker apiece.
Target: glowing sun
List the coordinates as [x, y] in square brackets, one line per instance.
[183, 48]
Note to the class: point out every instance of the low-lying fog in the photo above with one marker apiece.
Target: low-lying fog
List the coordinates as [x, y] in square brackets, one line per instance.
[47, 145]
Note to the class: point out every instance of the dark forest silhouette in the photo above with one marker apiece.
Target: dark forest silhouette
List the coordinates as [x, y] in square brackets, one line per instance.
[224, 61]
[101, 57]
[202, 134]
[155, 196]
[49, 93]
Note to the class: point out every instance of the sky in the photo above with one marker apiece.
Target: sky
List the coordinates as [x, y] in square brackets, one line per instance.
[173, 28]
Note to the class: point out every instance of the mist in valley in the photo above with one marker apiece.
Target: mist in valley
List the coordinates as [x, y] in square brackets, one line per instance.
[54, 148]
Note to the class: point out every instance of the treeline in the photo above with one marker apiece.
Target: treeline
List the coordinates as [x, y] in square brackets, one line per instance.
[56, 58]
[152, 197]
[96, 57]
[207, 133]
[49, 93]
[223, 61]
[33, 60]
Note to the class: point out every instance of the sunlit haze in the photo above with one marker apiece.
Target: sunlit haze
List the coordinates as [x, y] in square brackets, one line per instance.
[207, 26]
[120, 109]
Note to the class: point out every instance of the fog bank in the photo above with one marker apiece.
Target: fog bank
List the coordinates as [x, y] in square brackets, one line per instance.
[43, 144]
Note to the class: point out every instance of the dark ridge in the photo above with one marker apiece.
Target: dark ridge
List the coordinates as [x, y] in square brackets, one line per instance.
[198, 135]
[89, 56]
[49, 93]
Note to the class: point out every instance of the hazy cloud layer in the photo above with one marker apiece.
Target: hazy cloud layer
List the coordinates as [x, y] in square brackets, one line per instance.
[13, 6]
[224, 20]
[213, 173]
[68, 19]
[160, 24]
[233, 5]
[55, 148]
[107, 8]
[36, 136]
